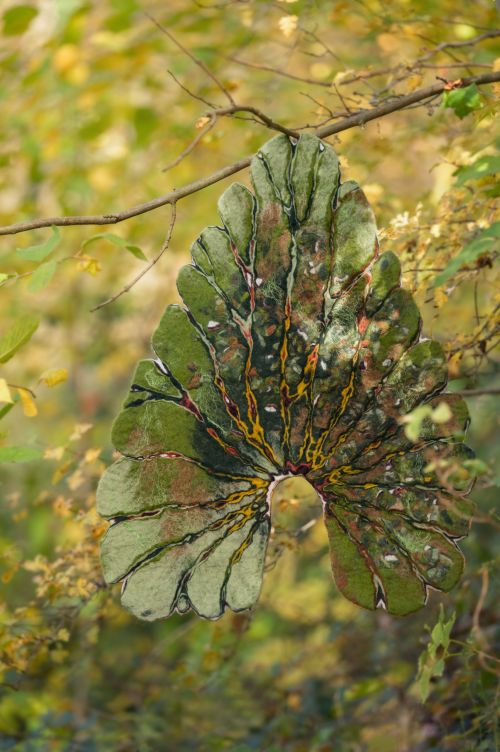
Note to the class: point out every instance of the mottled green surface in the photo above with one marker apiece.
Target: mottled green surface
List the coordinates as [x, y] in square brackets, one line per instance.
[297, 352]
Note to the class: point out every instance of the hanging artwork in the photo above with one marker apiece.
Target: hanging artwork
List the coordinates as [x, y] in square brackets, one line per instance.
[296, 352]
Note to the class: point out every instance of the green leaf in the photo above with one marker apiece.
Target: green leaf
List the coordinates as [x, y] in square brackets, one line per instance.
[481, 168]
[17, 19]
[19, 454]
[431, 662]
[40, 252]
[463, 101]
[470, 252]
[295, 352]
[118, 241]
[17, 336]
[5, 409]
[42, 276]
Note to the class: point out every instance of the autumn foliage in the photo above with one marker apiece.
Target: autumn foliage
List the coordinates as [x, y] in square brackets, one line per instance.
[96, 100]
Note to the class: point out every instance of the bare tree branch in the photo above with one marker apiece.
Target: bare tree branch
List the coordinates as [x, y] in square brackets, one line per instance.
[465, 43]
[360, 118]
[146, 269]
[364, 75]
[278, 72]
[265, 119]
[212, 119]
[401, 103]
[113, 219]
[192, 57]
[191, 93]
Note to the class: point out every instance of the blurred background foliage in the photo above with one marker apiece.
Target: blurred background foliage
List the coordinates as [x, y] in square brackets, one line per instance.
[89, 117]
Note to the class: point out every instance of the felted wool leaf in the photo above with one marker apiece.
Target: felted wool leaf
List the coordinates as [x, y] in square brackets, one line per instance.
[296, 352]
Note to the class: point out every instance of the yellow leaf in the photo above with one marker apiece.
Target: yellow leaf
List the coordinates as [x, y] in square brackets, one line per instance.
[29, 407]
[89, 264]
[62, 506]
[53, 376]
[287, 25]
[75, 480]
[440, 297]
[54, 454]
[342, 75]
[91, 455]
[5, 395]
[454, 364]
[201, 122]
[79, 430]
[63, 635]
[464, 31]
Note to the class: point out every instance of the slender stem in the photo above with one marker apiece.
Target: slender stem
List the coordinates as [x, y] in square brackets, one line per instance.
[358, 119]
[146, 269]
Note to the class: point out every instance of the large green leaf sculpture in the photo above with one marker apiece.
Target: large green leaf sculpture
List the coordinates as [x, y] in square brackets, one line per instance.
[296, 352]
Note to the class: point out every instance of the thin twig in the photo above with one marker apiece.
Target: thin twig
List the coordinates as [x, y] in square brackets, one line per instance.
[135, 211]
[342, 99]
[191, 93]
[265, 119]
[278, 72]
[192, 57]
[23, 388]
[352, 121]
[362, 76]
[194, 143]
[438, 66]
[260, 117]
[149, 266]
[454, 45]
[402, 102]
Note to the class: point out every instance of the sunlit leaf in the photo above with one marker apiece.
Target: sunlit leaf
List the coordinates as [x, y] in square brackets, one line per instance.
[5, 395]
[17, 19]
[40, 252]
[118, 241]
[15, 337]
[296, 352]
[53, 376]
[19, 454]
[89, 264]
[481, 168]
[431, 663]
[29, 405]
[42, 276]
[485, 241]
[464, 100]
